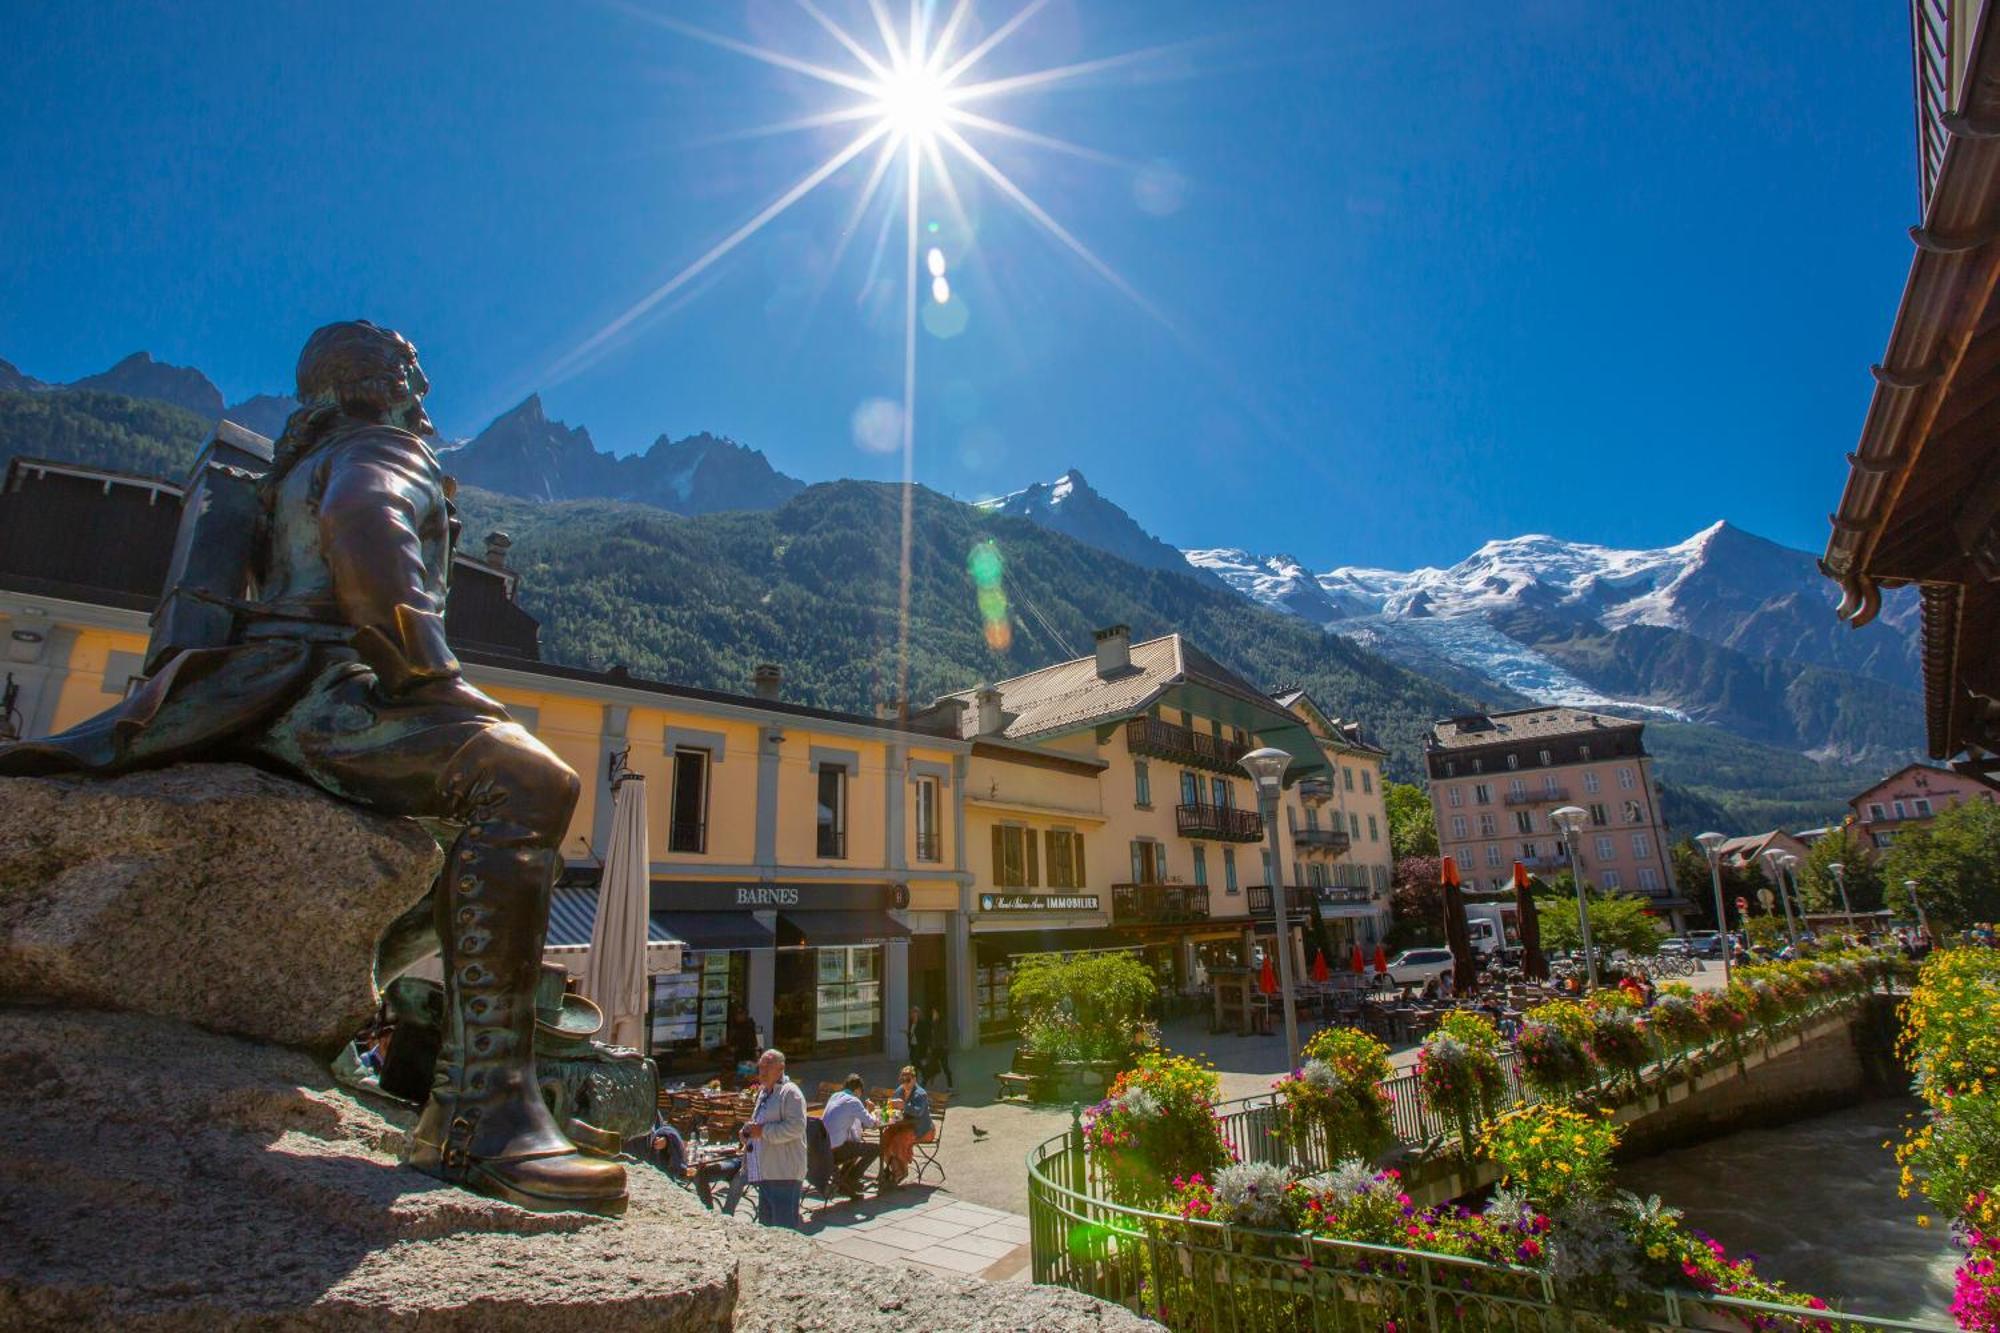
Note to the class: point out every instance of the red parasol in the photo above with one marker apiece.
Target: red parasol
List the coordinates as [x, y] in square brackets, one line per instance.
[1381, 959]
[1464, 967]
[1320, 970]
[1359, 964]
[1267, 980]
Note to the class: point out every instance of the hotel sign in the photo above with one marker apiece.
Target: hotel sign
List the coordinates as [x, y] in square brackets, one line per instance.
[1038, 902]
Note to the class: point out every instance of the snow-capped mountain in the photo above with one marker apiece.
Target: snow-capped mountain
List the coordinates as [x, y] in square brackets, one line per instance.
[1724, 627]
[1071, 506]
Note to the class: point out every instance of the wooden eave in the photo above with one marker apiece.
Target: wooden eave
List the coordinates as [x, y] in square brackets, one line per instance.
[1937, 391]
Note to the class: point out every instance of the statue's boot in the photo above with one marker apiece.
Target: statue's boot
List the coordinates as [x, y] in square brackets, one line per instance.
[486, 1126]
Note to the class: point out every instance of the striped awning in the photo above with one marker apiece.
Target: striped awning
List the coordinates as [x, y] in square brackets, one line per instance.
[572, 914]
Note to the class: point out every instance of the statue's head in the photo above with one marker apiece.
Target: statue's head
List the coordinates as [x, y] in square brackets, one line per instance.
[367, 372]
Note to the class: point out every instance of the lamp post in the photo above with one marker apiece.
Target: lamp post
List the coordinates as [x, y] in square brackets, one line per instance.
[1923, 926]
[1568, 820]
[1839, 873]
[1711, 847]
[1778, 862]
[1266, 768]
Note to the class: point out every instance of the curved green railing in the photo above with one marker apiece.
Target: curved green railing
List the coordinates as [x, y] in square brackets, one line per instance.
[1210, 1277]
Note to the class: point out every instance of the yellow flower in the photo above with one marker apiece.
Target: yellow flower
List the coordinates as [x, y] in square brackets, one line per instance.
[1656, 1251]
[1923, 1219]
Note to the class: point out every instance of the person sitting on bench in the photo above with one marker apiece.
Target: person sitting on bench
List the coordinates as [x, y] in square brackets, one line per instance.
[846, 1115]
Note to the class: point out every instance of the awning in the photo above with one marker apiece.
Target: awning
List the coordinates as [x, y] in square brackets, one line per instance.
[714, 930]
[831, 929]
[573, 914]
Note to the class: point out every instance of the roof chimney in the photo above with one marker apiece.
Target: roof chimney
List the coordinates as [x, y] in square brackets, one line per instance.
[767, 680]
[1114, 650]
[497, 545]
[991, 718]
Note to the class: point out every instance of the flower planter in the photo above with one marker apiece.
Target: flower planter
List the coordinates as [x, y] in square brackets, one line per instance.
[1075, 1080]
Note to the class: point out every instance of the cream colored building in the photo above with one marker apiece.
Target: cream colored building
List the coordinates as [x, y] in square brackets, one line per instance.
[1358, 803]
[1495, 779]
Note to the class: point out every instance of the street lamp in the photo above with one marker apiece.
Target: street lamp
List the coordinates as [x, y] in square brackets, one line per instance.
[1266, 768]
[1711, 847]
[1779, 862]
[1839, 873]
[1568, 820]
[1923, 926]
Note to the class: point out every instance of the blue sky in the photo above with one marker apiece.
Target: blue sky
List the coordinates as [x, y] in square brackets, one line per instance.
[1409, 276]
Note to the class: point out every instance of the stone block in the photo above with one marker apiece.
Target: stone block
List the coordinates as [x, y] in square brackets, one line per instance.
[214, 893]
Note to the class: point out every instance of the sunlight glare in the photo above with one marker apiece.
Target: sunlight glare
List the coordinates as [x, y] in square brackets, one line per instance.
[913, 100]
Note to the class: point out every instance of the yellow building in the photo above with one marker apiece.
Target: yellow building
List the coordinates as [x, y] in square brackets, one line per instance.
[1355, 802]
[1169, 855]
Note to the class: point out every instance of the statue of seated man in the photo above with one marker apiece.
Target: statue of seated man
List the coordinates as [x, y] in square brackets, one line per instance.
[332, 668]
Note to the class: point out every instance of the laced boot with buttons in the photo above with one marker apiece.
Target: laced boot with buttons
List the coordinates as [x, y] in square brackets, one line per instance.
[486, 1126]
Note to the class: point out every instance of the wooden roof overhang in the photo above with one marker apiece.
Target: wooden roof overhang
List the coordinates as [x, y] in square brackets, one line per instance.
[1922, 500]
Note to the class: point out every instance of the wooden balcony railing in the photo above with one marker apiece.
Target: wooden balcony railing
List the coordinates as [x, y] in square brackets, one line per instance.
[1334, 839]
[1220, 822]
[1158, 904]
[1183, 745]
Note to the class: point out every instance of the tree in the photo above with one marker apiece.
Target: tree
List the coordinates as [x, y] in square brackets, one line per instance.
[1617, 921]
[1416, 902]
[1956, 863]
[1412, 829]
[1858, 868]
[1690, 867]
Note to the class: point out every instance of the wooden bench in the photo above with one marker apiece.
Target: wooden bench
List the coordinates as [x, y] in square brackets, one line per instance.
[1015, 1087]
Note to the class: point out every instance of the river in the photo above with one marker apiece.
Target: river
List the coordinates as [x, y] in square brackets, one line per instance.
[1816, 1201]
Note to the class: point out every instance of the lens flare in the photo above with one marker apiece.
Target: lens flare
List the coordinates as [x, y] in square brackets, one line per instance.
[988, 569]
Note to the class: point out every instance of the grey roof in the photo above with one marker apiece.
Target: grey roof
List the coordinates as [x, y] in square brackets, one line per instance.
[1522, 724]
[1071, 694]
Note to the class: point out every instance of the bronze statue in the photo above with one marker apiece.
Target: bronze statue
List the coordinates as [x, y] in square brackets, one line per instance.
[304, 631]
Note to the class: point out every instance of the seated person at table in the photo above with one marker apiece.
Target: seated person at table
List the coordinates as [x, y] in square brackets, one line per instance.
[846, 1115]
[899, 1137]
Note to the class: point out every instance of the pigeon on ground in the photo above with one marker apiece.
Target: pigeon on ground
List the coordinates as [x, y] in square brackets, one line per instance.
[978, 1133]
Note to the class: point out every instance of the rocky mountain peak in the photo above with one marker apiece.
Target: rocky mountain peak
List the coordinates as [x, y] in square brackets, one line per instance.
[139, 376]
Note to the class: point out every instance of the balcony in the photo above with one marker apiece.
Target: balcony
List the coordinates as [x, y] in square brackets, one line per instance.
[1183, 745]
[1298, 900]
[1540, 796]
[1315, 791]
[1331, 839]
[1221, 822]
[1158, 904]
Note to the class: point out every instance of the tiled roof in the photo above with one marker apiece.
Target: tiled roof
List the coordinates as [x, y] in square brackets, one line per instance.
[1071, 694]
[1477, 729]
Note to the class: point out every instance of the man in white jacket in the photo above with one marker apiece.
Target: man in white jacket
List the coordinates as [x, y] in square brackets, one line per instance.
[776, 1137]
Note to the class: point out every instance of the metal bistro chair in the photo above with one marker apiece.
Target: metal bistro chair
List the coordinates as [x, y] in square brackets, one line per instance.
[925, 1151]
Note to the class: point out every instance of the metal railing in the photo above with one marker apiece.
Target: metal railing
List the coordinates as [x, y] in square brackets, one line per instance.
[1315, 791]
[1537, 796]
[1221, 822]
[687, 835]
[1158, 904]
[930, 846]
[1196, 1274]
[1344, 895]
[1298, 900]
[1183, 745]
[831, 842]
[1335, 839]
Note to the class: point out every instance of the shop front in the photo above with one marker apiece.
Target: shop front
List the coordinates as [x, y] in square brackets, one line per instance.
[1010, 926]
[811, 968]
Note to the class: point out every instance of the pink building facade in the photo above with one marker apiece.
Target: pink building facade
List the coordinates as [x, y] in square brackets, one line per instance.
[1911, 798]
[1496, 778]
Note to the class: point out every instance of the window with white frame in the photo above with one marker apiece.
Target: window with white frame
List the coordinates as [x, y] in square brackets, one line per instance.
[1353, 824]
[1524, 821]
[1347, 777]
[1493, 854]
[1875, 811]
[1367, 783]
[1626, 779]
[1482, 794]
[1590, 782]
[1599, 816]
[1453, 797]
[1489, 826]
[1547, 758]
[1609, 879]
[1649, 879]
[1516, 788]
[1513, 761]
[1923, 808]
[1642, 845]
[1374, 830]
[1604, 849]
[1635, 813]
[1527, 851]
[1458, 826]
[1229, 870]
[1583, 752]
[1551, 786]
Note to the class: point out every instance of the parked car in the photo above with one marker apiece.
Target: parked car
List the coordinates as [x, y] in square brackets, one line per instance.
[1675, 948]
[1705, 943]
[1413, 967]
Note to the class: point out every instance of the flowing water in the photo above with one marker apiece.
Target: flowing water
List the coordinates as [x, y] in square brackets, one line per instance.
[1815, 1201]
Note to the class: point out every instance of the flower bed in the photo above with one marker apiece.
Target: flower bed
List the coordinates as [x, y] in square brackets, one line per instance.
[1951, 1039]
